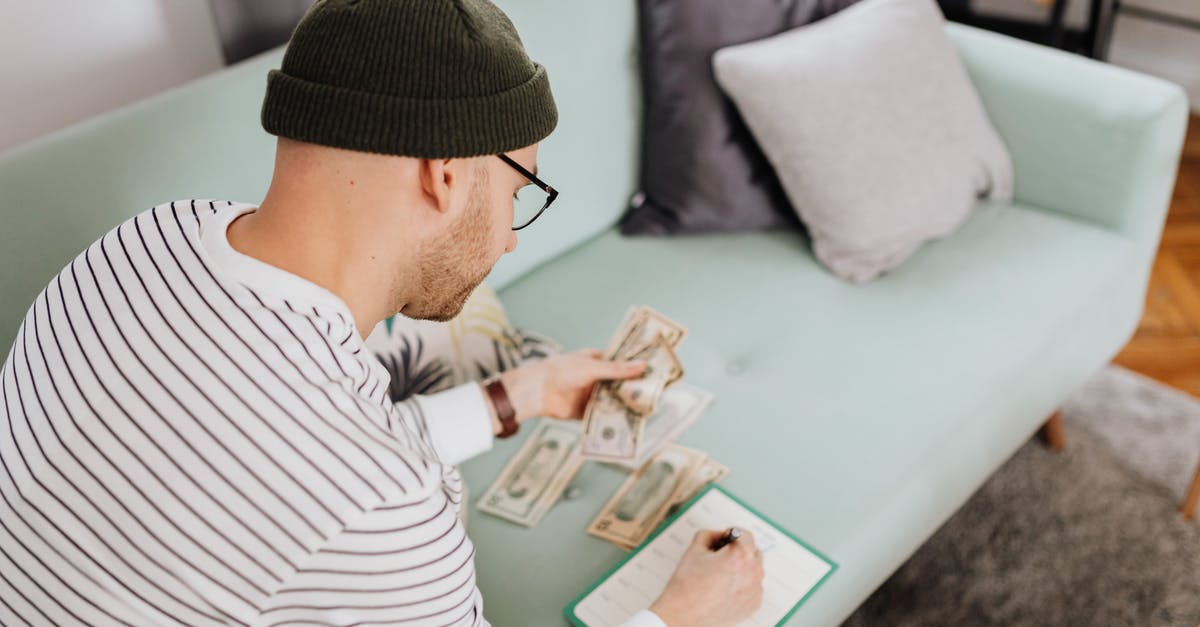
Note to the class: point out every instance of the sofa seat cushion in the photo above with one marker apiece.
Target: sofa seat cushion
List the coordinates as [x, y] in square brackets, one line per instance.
[839, 407]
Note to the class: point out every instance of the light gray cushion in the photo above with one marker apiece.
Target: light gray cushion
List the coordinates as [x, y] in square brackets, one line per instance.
[873, 127]
[701, 169]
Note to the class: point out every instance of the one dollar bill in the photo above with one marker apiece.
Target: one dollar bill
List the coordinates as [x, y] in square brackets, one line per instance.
[534, 479]
[613, 421]
[678, 409]
[630, 515]
[662, 367]
[708, 472]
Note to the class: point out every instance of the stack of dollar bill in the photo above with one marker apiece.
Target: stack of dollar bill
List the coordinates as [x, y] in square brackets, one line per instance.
[614, 422]
[653, 492]
[627, 423]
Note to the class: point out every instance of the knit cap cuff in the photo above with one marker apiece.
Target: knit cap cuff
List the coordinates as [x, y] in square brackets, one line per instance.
[414, 127]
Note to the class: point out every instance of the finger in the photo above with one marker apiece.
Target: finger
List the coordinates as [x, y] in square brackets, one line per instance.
[746, 542]
[594, 353]
[705, 537]
[591, 390]
[607, 370]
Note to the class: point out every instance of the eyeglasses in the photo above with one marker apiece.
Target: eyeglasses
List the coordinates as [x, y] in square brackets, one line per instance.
[527, 209]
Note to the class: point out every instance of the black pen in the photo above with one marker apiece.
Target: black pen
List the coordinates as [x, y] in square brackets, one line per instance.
[729, 536]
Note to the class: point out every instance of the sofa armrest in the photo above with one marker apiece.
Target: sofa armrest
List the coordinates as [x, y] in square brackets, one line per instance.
[1090, 140]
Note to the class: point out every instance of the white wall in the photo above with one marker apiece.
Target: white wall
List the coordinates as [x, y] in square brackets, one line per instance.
[1148, 46]
[1156, 48]
[62, 61]
[65, 60]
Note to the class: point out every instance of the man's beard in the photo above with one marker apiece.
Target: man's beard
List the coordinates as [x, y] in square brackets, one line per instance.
[450, 267]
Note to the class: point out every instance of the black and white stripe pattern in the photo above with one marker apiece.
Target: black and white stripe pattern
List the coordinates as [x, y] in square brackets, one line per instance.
[181, 448]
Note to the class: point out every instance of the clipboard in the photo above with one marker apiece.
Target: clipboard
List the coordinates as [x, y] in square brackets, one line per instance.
[794, 569]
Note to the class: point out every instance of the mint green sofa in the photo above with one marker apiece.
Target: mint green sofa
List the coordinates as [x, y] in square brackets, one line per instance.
[858, 416]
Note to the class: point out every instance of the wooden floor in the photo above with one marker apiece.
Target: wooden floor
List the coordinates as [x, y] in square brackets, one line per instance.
[1166, 346]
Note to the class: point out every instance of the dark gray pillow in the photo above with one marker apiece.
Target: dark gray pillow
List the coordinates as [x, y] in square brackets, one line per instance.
[701, 168]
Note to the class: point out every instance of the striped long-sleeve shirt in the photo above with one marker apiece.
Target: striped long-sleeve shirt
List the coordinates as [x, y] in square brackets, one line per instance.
[191, 436]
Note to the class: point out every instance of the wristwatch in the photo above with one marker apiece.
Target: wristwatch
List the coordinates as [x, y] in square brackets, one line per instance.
[504, 409]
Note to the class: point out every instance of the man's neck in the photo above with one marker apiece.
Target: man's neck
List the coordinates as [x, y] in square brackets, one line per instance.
[311, 243]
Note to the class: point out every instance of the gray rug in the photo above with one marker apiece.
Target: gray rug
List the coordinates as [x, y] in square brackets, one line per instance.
[1090, 536]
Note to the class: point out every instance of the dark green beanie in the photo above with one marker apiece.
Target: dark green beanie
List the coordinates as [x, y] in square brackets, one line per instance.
[436, 79]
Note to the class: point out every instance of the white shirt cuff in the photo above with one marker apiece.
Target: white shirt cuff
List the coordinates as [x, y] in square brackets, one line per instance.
[459, 422]
[644, 618]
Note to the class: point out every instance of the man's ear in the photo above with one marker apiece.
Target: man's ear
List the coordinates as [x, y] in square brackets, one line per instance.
[436, 180]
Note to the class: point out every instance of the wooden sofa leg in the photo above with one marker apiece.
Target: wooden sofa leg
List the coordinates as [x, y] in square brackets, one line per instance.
[1193, 497]
[1053, 433]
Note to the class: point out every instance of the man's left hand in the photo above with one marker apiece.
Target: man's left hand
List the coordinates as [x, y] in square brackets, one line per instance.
[560, 386]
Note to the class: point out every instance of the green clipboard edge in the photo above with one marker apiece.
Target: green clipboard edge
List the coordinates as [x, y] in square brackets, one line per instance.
[569, 611]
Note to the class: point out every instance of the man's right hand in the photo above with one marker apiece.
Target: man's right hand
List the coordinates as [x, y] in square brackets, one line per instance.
[713, 588]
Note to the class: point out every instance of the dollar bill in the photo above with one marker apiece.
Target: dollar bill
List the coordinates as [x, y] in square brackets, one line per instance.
[678, 409]
[640, 326]
[662, 367]
[708, 472]
[628, 516]
[533, 480]
[611, 431]
[613, 417]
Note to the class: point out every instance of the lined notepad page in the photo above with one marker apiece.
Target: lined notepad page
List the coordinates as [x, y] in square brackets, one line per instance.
[791, 569]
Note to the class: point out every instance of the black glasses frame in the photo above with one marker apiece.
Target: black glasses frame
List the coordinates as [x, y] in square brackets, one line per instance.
[550, 191]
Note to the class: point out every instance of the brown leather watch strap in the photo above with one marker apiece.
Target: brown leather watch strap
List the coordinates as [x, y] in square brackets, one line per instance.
[504, 409]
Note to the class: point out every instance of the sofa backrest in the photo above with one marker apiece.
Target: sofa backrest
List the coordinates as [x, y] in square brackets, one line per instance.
[203, 140]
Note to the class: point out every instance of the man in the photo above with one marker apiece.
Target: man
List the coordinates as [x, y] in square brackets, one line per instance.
[194, 432]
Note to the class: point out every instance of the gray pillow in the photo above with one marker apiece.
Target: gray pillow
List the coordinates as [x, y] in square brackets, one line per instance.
[700, 167]
[874, 128]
